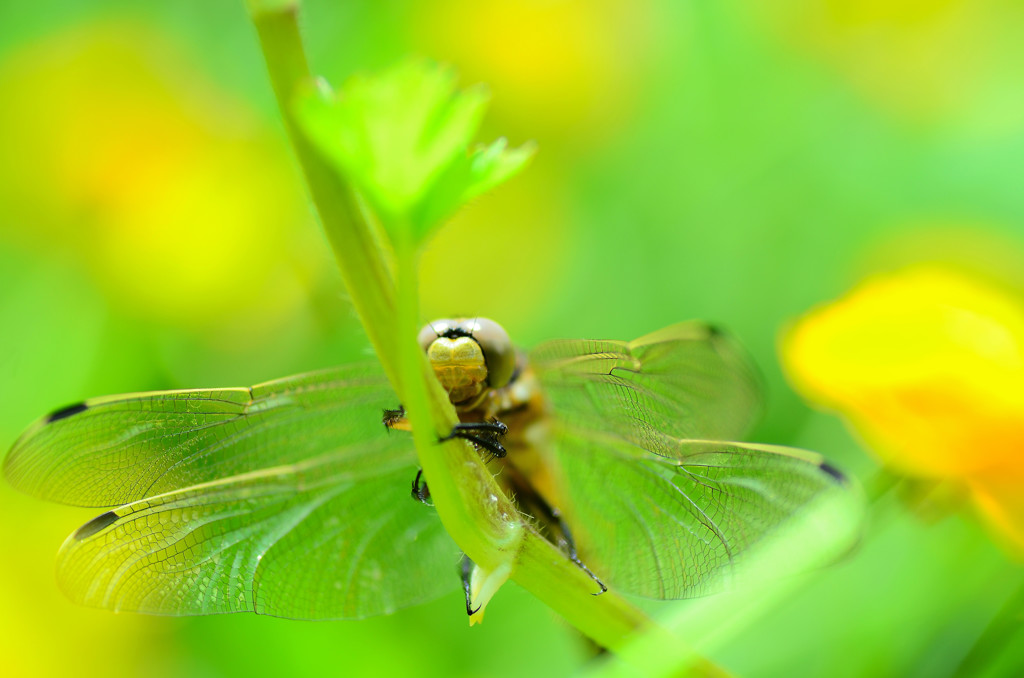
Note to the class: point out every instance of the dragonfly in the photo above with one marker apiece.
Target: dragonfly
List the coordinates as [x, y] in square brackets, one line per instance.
[290, 498]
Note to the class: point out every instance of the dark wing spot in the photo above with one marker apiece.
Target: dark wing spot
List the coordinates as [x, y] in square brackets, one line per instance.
[95, 525]
[65, 412]
[714, 331]
[833, 471]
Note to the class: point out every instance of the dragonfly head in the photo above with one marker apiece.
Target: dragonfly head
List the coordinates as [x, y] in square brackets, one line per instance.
[469, 356]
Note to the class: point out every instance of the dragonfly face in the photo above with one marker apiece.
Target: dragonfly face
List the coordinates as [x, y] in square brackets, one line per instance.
[288, 498]
[469, 356]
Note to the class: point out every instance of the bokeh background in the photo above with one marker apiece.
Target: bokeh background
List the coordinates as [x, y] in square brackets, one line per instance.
[734, 161]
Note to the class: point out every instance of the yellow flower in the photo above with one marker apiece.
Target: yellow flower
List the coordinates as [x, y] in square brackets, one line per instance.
[927, 366]
[561, 72]
[174, 197]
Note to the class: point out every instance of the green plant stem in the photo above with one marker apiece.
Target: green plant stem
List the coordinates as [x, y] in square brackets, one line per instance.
[356, 242]
[487, 532]
[478, 516]
[491, 532]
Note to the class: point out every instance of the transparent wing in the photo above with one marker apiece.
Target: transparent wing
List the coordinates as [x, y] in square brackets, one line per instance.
[677, 526]
[685, 381]
[331, 538]
[288, 498]
[656, 504]
[119, 449]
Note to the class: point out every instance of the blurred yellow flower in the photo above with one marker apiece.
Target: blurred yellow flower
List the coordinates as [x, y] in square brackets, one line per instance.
[927, 365]
[175, 197]
[562, 71]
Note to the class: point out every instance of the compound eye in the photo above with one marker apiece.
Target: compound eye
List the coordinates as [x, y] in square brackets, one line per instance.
[497, 348]
[431, 331]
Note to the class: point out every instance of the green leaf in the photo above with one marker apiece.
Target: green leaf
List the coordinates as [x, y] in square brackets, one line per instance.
[403, 139]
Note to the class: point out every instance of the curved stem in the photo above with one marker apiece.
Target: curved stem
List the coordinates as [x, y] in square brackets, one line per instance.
[478, 516]
[488, 532]
[366, 267]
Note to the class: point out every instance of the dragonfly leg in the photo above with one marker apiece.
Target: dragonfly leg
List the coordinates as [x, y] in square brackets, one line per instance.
[466, 572]
[568, 545]
[395, 419]
[565, 541]
[531, 500]
[420, 491]
[483, 434]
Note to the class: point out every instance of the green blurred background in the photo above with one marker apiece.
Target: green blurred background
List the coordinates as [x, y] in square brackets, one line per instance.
[733, 161]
